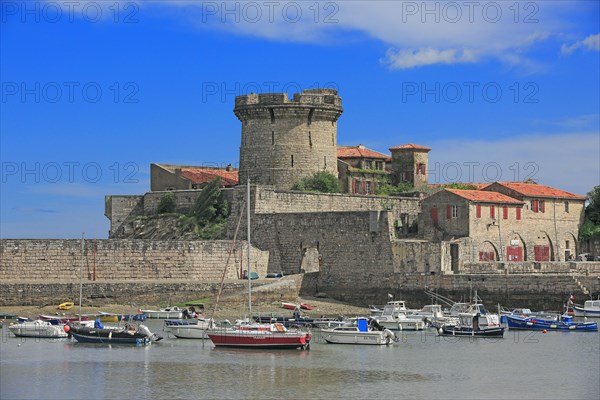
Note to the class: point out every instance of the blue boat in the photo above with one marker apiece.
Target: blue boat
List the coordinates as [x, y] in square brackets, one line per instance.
[565, 323]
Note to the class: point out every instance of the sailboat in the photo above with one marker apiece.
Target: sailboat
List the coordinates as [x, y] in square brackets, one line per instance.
[245, 334]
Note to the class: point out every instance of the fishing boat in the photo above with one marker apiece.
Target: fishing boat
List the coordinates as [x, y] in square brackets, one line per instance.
[129, 334]
[394, 317]
[591, 308]
[360, 331]
[476, 322]
[565, 323]
[164, 313]
[247, 334]
[37, 329]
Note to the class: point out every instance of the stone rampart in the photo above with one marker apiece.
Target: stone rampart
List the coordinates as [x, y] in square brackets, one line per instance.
[60, 260]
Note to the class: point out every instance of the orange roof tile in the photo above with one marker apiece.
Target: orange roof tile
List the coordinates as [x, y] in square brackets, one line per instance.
[410, 146]
[205, 175]
[359, 152]
[484, 196]
[537, 190]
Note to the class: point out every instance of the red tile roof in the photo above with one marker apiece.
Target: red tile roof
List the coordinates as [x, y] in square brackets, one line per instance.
[359, 151]
[410, 146]
[476, 185]
[484, 196]
[537, 190]
[205, 175]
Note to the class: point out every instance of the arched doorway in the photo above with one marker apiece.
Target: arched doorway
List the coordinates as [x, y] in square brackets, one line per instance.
[543, 250]
[487, 251]
[516, 250]
[569, 245]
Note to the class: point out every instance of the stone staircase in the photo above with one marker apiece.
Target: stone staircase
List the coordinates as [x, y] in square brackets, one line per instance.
[583, 289]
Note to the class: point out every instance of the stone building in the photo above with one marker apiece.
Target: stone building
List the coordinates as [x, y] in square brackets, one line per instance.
[361, 170]
[553, 218]
[185, 177]
[410, 163]
[505, 221]
[286, 140]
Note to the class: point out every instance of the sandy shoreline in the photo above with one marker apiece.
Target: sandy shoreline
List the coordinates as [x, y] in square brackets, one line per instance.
[228, 309]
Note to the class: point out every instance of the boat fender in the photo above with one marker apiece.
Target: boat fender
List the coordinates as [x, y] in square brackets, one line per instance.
[66, 328]
[440, 331]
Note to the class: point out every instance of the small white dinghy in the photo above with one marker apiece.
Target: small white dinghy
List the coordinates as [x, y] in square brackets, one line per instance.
[37, 329]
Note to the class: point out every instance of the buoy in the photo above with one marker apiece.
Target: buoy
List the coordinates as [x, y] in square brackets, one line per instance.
[544, 331]
[67, 328]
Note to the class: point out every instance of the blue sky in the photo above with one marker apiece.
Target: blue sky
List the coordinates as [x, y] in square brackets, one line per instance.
[93, 92]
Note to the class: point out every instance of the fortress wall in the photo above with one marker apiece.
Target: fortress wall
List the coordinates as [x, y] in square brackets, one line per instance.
[60, 260]
[296, 237]
[538, 292]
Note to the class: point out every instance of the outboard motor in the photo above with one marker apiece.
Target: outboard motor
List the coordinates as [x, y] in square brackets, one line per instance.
[153, 337]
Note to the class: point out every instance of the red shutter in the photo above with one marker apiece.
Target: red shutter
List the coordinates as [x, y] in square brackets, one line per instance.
[542, 205]
[535, 206]
[353, 185]
[448, 211]
[363, 188]
[518, 213]
[434, 215]
[505, 212]
[478, 211]
[492, 213]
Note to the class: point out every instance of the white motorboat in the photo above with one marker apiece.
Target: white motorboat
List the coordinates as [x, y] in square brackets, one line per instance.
[164, 313]
[191, 331]
[37, 329]
[591, 308]
[358, 332]
[394, 317]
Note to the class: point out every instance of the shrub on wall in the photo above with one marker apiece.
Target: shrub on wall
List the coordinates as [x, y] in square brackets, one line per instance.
[167, 203]
[322, 181]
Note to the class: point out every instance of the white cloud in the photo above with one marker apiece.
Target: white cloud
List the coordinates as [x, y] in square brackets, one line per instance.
[404, 59]
[418, 33]
[591, 43]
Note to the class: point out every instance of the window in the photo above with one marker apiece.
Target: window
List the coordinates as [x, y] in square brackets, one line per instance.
[566, 206]
[478, 211]
[367, 164]
[505, 212]
[567, 244]
[454, 211]
[379, 165]
[272, 137]
[518, 209]
[492, 212]
[292, 160]
[421, 169]
[368, 187]
[309, 139]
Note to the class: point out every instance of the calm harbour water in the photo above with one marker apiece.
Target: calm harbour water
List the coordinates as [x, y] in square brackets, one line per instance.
[522, 365]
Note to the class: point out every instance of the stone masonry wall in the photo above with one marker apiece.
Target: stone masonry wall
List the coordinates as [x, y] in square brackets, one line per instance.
[60, 260]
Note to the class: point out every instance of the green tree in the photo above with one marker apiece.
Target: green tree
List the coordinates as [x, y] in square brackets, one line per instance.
[591, 222]
[322, 181]
[167, 203]
[205, 207]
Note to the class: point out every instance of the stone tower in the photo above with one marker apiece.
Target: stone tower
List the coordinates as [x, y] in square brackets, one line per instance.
[410, 163]
[286, 140]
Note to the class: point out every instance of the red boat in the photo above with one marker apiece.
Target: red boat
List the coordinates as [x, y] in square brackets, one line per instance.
[56, 320]
[290, 306]
[260, 336]
[305, 306]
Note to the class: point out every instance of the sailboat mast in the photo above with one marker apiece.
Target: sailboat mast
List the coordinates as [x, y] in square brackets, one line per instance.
[248, 240]
[81, 277]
